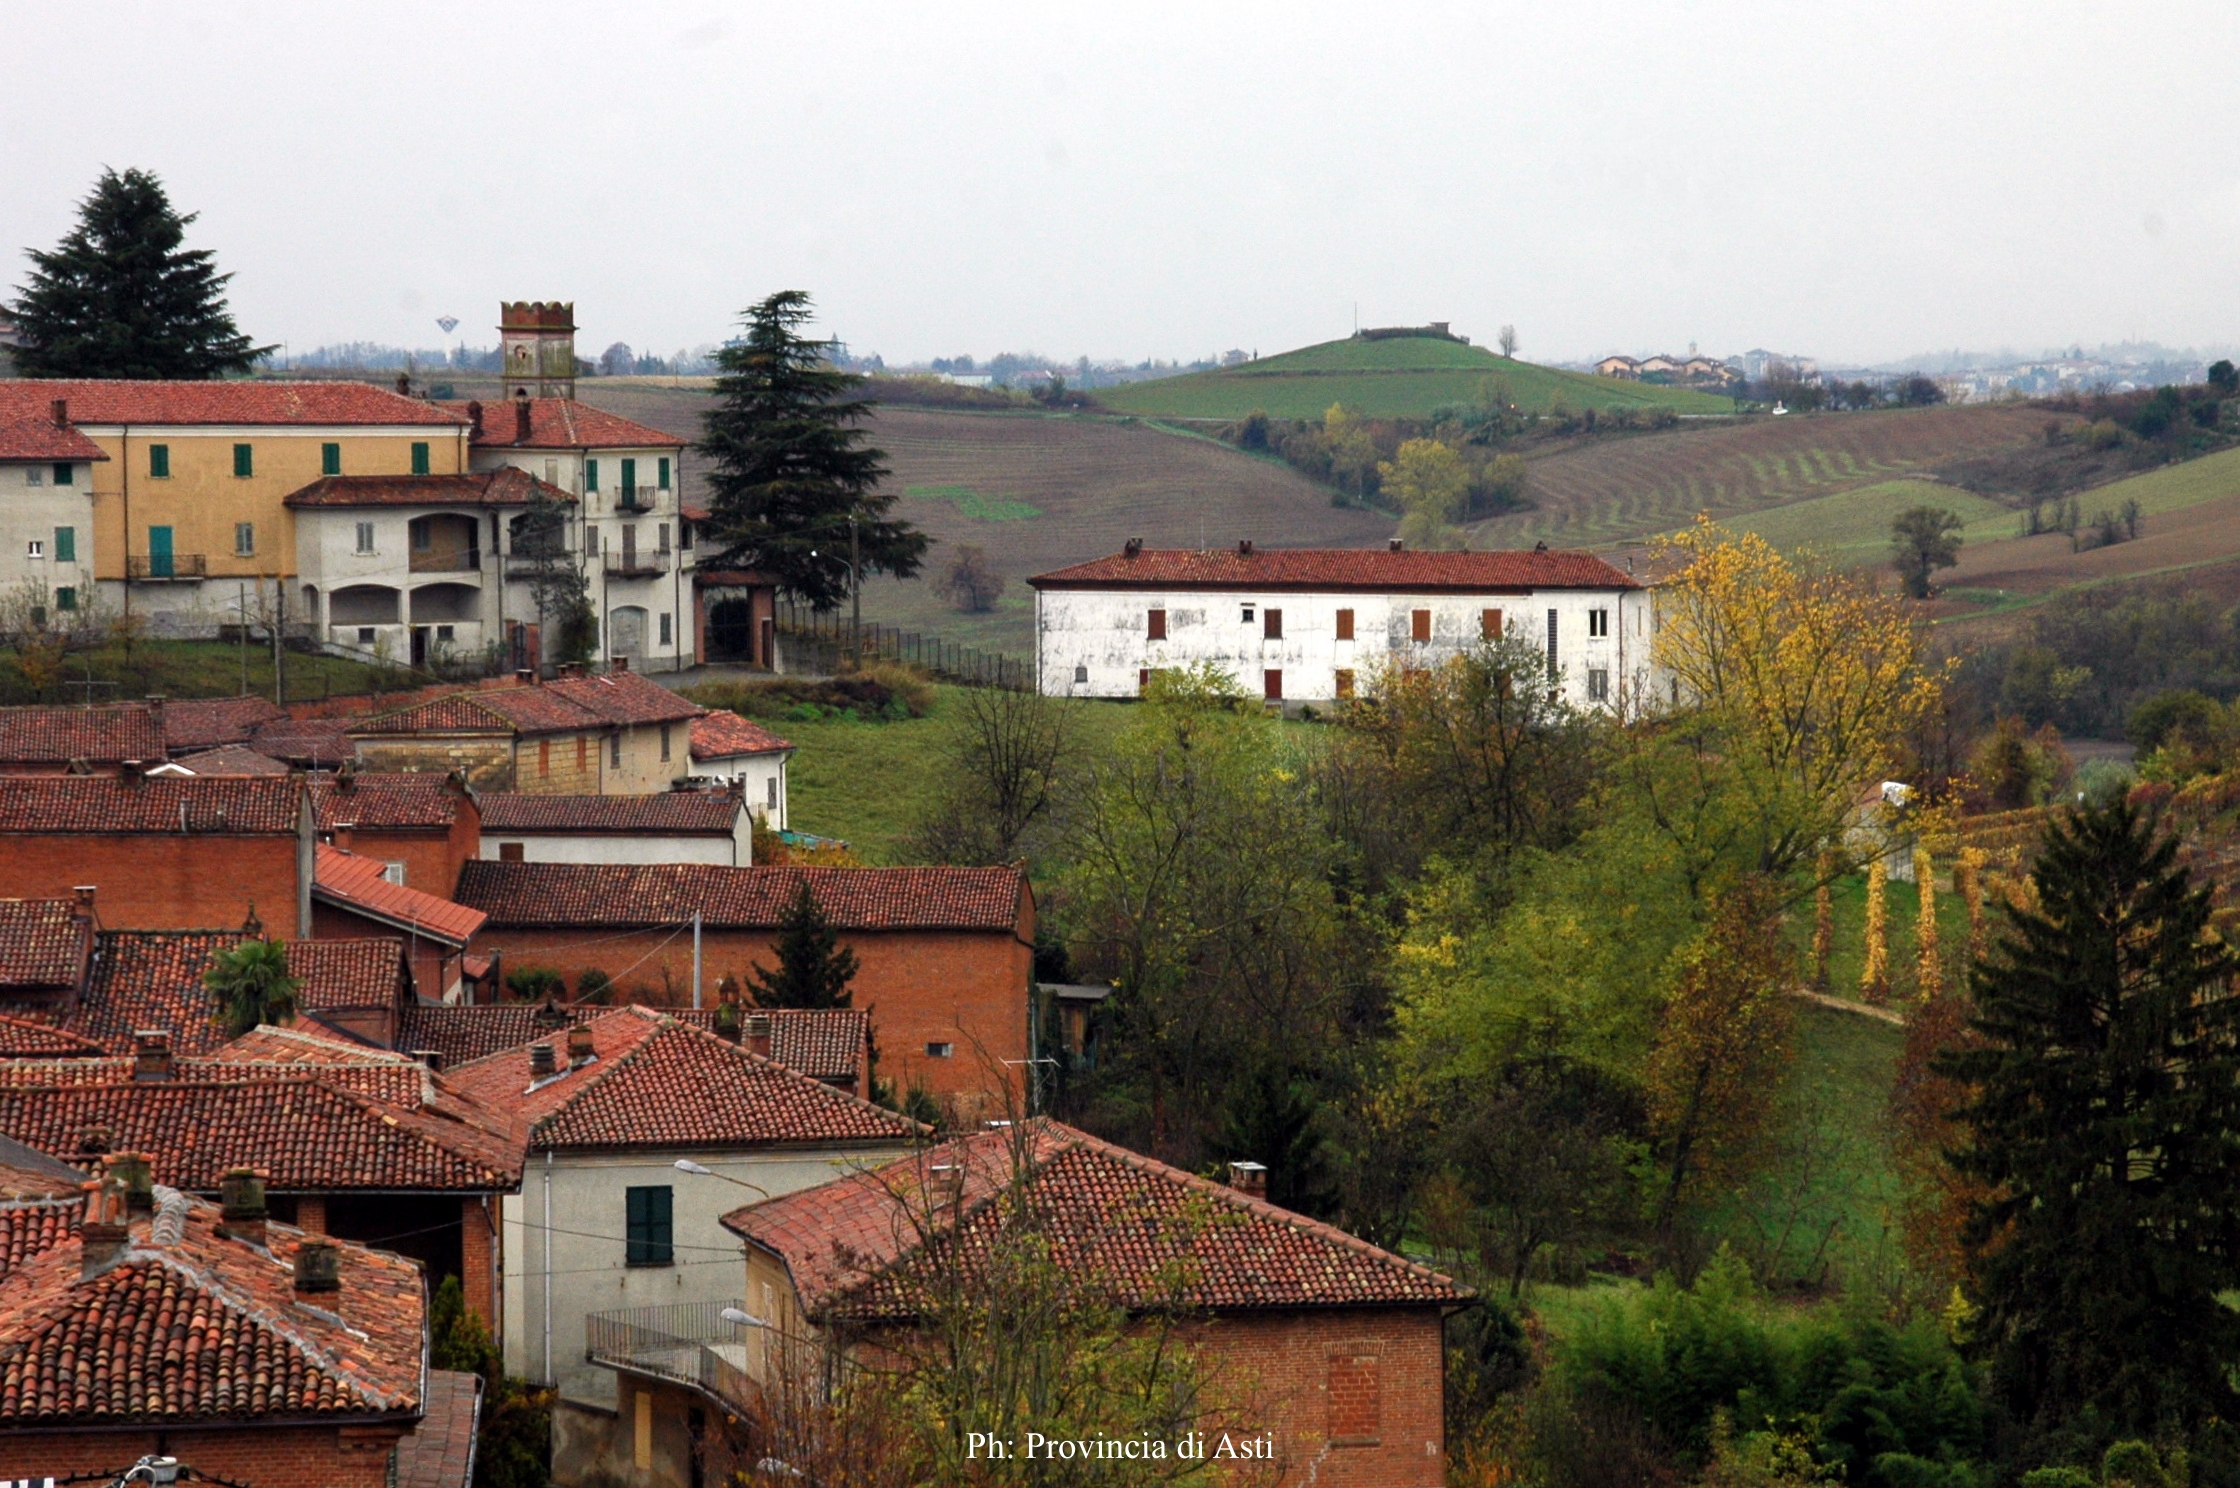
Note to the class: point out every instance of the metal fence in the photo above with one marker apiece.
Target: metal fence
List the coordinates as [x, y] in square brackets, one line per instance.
[687, 1342]
[825, 641]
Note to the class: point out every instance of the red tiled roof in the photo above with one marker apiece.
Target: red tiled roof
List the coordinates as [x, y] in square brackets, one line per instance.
[204, 723]
[502, 487]
[189, 1326]
[314, 1129]
[152, 979]
[385, 801]
[28, 1229]
[229, 759]
[355, 883]
[28, 1038]
[394, 1081]
[43, 944]
[309, 743]
[218, 806]
[566, 706]
[822, 1043]
[561, 423]
[622, 894]
[672, 813]
[440, 1451]
[26, 439]
[658, 1083]
[465, 1032]
[306, 1042]
[117, 401]
[1409, 572]
[347, 973]
[1134, 1223]
[616, 697]
[723, 734]
[56, 736]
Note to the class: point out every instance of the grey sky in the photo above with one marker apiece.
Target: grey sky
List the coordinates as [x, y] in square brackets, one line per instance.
[1856, 183]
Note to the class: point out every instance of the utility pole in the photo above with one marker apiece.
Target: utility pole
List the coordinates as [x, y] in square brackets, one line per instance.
[696, 960]
[241, 609]
[855, 588]
[279, 666]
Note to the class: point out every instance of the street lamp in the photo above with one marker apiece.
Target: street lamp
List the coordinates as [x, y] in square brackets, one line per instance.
[687, 1165]
[742, 1319]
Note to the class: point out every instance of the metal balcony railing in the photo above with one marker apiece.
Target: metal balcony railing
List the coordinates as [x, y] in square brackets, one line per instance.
[190, 567]
[688, 1343]
[636, 563]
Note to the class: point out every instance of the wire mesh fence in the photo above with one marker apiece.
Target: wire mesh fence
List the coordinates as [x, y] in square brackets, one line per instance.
[828, 642]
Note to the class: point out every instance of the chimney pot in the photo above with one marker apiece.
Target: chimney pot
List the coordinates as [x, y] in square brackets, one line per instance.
[521, 419]
[542, 1061]
[151, 1054]
[404, 384]
[618, 664]
[62, 413]
[432, 1058]
[1393, 545]
[758, 1034]
[134, 1173]
[474, 418]
[579, 1045]
[103, 1240]
[946, 1181]
[526, 676]
[318, 1268]
[82, 901]
[241, 1203]
[727, 1022]
[1134, 548]
[1244, 547]
[342, 831]
[1249, 1178]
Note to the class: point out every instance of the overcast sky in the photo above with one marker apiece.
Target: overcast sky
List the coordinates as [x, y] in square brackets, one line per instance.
[1856, 183]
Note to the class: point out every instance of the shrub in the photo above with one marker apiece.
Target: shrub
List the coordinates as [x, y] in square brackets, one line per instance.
[535, 983]
[594, 985]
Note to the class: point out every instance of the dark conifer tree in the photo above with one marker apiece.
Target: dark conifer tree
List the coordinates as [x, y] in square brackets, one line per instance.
[787, 463]
[2104, 1119]
[814, 969]
[120, 296]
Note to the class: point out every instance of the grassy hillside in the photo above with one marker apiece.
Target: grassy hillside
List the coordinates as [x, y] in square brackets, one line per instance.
[1390, 378]
[1039, 491]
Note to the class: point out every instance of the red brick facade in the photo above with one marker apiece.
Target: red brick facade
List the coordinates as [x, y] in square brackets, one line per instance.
[151, 882]
[479, 1271]
[266, 1457]
[963, 989]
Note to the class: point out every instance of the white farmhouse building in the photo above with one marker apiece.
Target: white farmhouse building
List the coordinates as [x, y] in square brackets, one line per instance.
[46, 492]
[1314, 624]
[746, 756]
[679, 826]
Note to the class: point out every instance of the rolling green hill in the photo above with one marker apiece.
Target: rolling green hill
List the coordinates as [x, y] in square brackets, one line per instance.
[1395, 377]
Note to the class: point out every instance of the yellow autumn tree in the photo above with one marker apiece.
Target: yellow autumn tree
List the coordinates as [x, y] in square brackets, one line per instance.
[1432, 487]
[1874, 960]
[1824, 920]
[1929, 956]
[1789, 685]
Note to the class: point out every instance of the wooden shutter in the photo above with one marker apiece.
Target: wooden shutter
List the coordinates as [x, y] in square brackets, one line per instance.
[1271, 624]
[1345, 625]
[1489, 624]
[244, 460]
[159, 461]
[1345, 682]
[1419, 625]
[330, 459]
[1157, 626]
[510, 852]
[419, 457]
[66, 545]
[1271, 685]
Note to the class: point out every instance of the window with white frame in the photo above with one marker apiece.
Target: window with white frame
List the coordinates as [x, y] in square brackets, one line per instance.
[365, 537]
[36, 548]
[244, 539]
[1598, 623]
[1598, 685]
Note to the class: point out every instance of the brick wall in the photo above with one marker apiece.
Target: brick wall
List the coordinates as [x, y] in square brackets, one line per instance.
[433, 965]
[265, 1457]
[486, 763]
[560, 764]
[478, 1262]
[151, 882]
[964, 989]
[430, 859]
[1352, 1398]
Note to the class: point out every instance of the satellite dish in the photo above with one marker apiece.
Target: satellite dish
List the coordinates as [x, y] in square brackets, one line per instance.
[449, 323]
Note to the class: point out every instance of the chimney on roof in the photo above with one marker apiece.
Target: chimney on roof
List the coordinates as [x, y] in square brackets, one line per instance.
[404, 384]
[345, 778]
[102, 1233]
[945, 1182]
[62, 413]
[521, 419]
[1249, 1178]
[758, 1034]
[129, 772]
[526, 676]
[1134, 548]
[618, 663]
[474, 418]
[95, 1140]
[252, 928]
[1394, 545]
[1244, 547]
[154, 701]
[241, 1211]
[1540, 546]
[542, 1063]
[135, 1174]
[342, 831]
[81, 906]
[318, 1268]
[151, 1054]
[580, 1049]
[727, 1021]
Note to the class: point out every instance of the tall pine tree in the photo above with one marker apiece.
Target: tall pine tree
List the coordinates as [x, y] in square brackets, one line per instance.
[787, 463]
[120, 296]
[814, 969]
[2104, 1120]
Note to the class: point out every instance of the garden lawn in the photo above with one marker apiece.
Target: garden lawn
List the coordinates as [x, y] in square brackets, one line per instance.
[188, 669]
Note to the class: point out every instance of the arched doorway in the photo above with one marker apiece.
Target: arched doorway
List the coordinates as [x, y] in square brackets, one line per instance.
[626, 633]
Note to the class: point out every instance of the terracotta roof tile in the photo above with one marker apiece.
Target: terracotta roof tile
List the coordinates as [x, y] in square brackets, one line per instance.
[822, 1043]
[396, 801]
[234, 1340]
[347, 973]
[356, 883]
[561, 423]
[674, 812]
[440, 1451]
[624, 894]
[1410, 572]
[307, 743]
[31, 1228]
[616, 697]
[462, 1033]
[32, 439]
[502, 487]
[117, 401]
[723, 734]
[29, 1038]
[477, 713]
[314, 1129]
[205, 723]
[658, 1083]
[224, 805]
[230, 759]
[103, 736]
[306, 1041]
[152, 979]
[43, 945]
[852, 1246]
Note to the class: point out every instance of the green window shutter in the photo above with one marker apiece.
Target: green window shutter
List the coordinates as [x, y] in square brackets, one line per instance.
[664, 472]
[647, 1229]
[159, 461]
[244, 460]
[64, 473]
[330, 459]
[591, 475]
[419, 457]
[66, 546]
[66, 598]
[629, 476]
